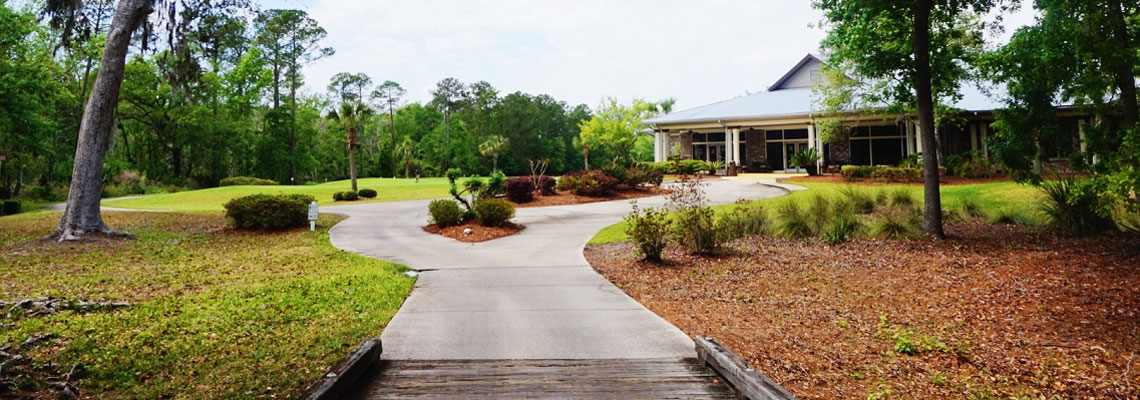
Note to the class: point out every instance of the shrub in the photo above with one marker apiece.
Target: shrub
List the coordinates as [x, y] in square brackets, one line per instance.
[616, 171]
[693, 226]
[792, 221]
[246, 180]
[806, 159]
[712, 166]
[5, 193]
[971, 164]
[493, 212]
[912, 161]
[1072, 207]
[745, 219]
[649, 231]
[664, 167]
[839, 229]
[858, 201]
[899, 197]
[568, 182]
[850, 172]
[640, 176]
[496, 184]
[897, 174]
[445, 213]
[349, 196]
[10, 207]
[546, 185]
[865, 171]
[520, 189]
[367, 193]
[268, 212]
[819, 211]
[591, 183]
[689, 166]
[338, 196]
[476, 187]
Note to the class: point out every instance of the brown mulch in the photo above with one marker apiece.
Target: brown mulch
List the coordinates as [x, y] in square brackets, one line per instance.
[944, 179]
[479, 233]
[995, 311]
[567, 198]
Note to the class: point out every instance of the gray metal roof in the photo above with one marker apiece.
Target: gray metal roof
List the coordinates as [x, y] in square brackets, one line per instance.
[793, 102]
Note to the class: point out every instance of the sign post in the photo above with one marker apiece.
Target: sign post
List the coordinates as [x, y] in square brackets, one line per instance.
[313, 212]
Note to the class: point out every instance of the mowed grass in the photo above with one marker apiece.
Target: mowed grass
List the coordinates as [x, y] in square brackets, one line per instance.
[215, 313]
[996, 198]
[213, 199]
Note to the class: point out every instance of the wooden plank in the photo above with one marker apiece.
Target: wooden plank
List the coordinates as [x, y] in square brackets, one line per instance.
[650, 378]
[748, 382]
[346, 373]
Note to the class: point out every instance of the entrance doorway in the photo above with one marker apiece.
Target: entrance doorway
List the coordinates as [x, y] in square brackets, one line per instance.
[716, 152]
[791, 148]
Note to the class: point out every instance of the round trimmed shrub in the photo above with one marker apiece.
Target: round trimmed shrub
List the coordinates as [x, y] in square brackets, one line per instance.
[349, 196]
[520, 189]
[493, 212]
[445, 213]
[269, 212]
[338, 196]
[11, 207]
[546, 185]
[367, 193]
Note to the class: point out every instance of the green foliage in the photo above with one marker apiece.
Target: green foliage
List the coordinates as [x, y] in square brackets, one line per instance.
[1073, 207]
[792, 221]
[642, 176]
[496, 184]
[493, 212]
[971, 164]
[445, 213]
[804, 158]
[896, 222]
[689, 166]
[849, 172]
[245, 180]
[971, 208]
[649, 231]
[693, 226]
[1009, 217]
[614, 127]
[347, 195]
[857, 200]
[593, 183]
[10, 207]
[268, 212]
[367, 193]
[840, 228]
[912, 161]
[615, 171]
[745, 218]
[897, 174]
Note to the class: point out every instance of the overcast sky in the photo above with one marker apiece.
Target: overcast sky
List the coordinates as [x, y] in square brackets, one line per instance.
[577, 51]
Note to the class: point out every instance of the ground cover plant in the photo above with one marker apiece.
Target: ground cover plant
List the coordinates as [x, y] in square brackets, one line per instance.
[995, 311]
[213, 199]
[213, 313]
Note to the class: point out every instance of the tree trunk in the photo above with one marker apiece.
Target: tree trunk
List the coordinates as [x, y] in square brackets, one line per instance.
[446, 140]
[81, 214]
[392, 127]
[932, 198]
[293, 135]
[495, 163]
[1122, 67]
[352, 156]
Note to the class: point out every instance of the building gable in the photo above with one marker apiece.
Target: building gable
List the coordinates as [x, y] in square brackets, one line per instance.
[804, 74]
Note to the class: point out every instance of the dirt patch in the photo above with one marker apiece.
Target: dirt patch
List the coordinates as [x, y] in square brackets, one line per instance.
[567, 198]
[479, 233]
[996, 311]
[944, 179]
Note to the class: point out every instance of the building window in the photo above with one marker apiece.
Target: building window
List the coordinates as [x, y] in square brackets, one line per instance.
[813, 75]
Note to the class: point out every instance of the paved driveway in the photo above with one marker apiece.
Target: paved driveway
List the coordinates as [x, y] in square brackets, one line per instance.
[527, 296]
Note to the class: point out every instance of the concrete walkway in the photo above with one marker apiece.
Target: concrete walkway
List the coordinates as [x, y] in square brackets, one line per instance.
[527, 296]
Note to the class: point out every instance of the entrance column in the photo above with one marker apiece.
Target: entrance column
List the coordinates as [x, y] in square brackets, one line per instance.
[656, 146]
[736, 146]
[917, 138]
[728, 153]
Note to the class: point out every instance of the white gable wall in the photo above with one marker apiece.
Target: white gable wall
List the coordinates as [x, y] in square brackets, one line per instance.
[802, 77]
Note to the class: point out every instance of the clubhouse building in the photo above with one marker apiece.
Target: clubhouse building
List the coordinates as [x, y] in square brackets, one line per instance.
[759, 132]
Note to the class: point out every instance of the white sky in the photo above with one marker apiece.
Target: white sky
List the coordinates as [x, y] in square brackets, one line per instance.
[578, 51]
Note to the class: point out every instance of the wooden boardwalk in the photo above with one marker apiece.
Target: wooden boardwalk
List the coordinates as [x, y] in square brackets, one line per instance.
[605, 379]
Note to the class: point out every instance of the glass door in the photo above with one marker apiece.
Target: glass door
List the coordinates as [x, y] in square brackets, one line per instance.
[791, 148]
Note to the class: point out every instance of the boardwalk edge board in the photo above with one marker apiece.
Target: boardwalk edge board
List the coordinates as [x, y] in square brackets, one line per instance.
[344, 375]
[747, 381]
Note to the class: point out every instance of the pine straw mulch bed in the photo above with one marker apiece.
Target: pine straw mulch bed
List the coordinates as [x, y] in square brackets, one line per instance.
[564, 197]
[944, 179]
[479, 233]
[996, 311]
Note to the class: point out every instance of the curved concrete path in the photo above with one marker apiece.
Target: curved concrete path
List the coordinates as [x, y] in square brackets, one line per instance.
[527, 296]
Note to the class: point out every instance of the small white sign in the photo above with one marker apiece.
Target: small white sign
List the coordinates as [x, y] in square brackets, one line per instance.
[313, 211]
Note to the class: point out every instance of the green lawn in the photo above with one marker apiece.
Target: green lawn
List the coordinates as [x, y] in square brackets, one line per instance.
[212, 199]
[215, 313]
[994, 198]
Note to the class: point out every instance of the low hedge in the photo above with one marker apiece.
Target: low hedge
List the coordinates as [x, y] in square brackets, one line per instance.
[246, 180]
[493, 212]
[269, 212]
[445, 213]
[520, 189]
[367, 193]
[10, 207]
[897, 174]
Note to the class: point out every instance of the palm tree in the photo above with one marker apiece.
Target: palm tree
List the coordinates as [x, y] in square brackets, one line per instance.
[406, 151]
[352, 114]
[492, 147]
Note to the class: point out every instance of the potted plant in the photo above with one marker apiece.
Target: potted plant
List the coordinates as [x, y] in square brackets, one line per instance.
[807, 160]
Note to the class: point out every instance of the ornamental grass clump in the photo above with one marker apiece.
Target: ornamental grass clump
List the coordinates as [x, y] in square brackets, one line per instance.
[858, 200]
[1072, 207]
[792, 221]
[896, 222]
[745, 219]
[649, 230]
[840, 228]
